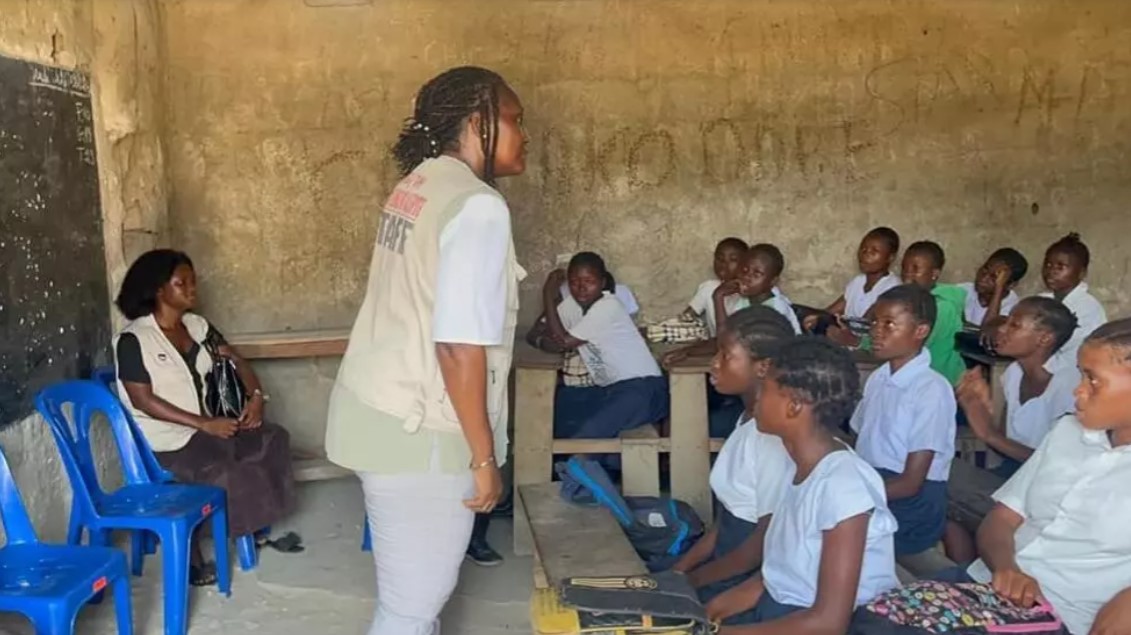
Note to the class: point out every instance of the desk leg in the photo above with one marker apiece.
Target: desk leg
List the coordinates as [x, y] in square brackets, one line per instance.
[533, 442]
[690, 441]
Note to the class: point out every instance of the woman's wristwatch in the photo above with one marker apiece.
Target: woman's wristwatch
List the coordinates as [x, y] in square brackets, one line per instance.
[259, 393]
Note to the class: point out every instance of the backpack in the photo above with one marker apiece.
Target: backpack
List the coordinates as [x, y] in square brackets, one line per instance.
[928, 608]
[660, 528]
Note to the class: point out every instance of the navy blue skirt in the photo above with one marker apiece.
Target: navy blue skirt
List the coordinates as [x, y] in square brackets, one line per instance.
[732, 532]
[922, 518]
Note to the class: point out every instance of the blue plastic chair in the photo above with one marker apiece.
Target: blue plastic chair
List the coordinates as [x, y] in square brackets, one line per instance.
[142, 543]
[172, 511]
[50, 583]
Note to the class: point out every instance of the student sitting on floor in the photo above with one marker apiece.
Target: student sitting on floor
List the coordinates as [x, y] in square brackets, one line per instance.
[990, 297]
[1059, 531]
[628, 389]
[829, 543]
[1066, 266]
[906, 421]
[1035, 398]
[752, 466]
[874, 258]
[922, 265]
[758, 278]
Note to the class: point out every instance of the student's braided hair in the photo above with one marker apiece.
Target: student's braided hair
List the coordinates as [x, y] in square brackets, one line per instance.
[1074, 247]
[760, 330]
[821, 374]
[919, 302]
[1052, 316]
[441, 108]
[1116, 334]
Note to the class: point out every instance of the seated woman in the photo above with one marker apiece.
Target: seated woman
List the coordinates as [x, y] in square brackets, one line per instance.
[163, 359]
[1058, 532]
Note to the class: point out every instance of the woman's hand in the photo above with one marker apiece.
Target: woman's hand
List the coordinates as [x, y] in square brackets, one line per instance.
[488, 489]
[252, 415]
[222, 427]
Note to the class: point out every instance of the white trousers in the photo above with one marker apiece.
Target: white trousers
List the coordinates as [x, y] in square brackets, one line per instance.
[420, 531]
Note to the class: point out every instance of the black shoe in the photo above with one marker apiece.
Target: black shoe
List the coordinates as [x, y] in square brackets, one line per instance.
[481, 553]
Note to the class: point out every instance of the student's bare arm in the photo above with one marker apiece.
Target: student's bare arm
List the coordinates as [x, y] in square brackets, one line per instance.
[995, 538]
[837, 307]
[699, 552]
[539, 337]
[1114, 617]
[842, 556]
[908, 483]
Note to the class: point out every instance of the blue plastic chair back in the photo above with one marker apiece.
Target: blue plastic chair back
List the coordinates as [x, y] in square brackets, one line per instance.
[13, 514]
[84, 400]
[106, 376]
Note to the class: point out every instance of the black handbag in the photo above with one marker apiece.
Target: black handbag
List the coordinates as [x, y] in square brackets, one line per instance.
[224, 395]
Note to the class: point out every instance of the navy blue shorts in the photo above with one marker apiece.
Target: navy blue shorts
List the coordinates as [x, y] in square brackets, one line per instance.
[922, 517]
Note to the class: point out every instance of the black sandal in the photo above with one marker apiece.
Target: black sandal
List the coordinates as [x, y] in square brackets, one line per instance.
[203, 575]
[289, 542]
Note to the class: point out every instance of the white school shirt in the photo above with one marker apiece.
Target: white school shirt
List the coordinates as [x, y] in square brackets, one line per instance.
[1090, 315]
[703, 303]
[1028, 423]
[614, 349]
[622, 293]
[974, 312]
[778, 302]
[857, 300]
[908, 411]
[1076, 505]
[841, 486]
[750, 472]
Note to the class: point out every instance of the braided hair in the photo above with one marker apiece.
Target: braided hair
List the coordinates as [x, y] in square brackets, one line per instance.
[441, 108]
[760, 330]
[820, 374]
[1116, 334]
[1051, 316]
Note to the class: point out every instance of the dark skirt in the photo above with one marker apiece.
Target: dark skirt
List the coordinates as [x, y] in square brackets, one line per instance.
[253, 467]
[922, 517]
[732, 532]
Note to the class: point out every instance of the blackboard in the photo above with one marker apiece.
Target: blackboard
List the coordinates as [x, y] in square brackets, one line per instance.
[54, 317]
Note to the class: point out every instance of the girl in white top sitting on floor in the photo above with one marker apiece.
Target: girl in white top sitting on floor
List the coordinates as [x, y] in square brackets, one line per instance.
[829, 546]
[1035, 398]
[1059, 530]
[752, 466]
[1066, 266]
[876, 253]
[628, 389]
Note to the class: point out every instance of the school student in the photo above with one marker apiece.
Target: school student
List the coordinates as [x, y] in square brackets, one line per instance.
[990, 297]
[905, 424]
[874, 259]
[628, 389]
[923, 263]
[752, 466]
[1065, 267]
[1059, 531]
[1035, 397]
[728, 260]
[758, 278]
[829, 543]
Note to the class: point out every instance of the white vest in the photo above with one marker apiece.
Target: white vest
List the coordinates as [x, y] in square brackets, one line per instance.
[390, 363]
[170, 378]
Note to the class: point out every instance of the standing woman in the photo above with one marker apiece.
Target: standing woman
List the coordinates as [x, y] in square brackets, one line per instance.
[419, 408]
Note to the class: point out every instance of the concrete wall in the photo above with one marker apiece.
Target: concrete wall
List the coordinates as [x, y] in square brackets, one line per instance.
[117, 43]
[656, 128]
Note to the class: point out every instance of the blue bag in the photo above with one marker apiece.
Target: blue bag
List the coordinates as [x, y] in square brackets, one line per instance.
[660, 528]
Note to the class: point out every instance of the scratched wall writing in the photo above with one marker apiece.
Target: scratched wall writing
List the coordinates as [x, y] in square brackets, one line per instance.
[54, 322]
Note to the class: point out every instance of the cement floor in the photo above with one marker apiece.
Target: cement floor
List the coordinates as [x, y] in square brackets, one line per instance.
[327, 590]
